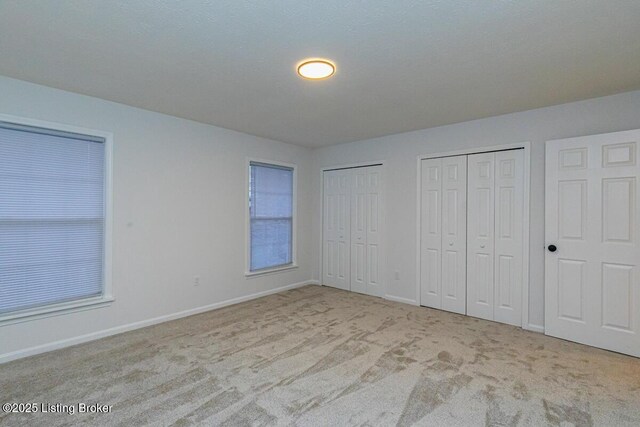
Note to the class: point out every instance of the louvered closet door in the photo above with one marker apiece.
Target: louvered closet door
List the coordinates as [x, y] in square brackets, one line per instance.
[366, 223]
[336, 221]
[592, 204]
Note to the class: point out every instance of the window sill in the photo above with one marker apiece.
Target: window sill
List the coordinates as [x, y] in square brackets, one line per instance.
[267, 271]
[55, 310]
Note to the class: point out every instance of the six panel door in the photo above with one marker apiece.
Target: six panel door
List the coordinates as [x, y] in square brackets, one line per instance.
[592, 208]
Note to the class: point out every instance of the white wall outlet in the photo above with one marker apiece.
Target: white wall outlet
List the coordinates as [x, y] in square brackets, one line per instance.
[396, 275]
[196, 281]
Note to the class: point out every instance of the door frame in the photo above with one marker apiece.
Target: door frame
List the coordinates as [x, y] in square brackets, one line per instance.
[383, 235]
[526, 145]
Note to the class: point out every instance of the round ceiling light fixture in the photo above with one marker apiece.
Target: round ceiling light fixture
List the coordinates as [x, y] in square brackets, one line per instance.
[316, 69]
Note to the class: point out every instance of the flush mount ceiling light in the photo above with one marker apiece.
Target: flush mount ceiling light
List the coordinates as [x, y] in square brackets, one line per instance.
[316, 69]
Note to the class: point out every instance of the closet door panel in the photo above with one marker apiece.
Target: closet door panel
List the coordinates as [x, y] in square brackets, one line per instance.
[480, 235]
[431, 233]
[454, 234]
[359, 188]
[509, 193]
[336, 229]
[374, 221]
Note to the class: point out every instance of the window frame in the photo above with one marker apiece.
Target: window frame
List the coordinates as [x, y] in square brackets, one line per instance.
[106, 298]
[294, 219]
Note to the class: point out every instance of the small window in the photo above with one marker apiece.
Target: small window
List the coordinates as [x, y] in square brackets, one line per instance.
[271, 207]
[52, 218]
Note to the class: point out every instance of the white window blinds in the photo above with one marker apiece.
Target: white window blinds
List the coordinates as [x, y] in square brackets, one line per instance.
[271, 215]
[51, 217]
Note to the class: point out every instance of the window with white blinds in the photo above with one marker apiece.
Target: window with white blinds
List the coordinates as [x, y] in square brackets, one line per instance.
[271, 210]
[52, 217]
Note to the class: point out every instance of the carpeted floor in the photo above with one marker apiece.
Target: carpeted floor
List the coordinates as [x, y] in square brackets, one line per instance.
[320, 356]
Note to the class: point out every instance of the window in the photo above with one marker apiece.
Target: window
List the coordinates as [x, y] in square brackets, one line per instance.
[52, 219]
[271, 218]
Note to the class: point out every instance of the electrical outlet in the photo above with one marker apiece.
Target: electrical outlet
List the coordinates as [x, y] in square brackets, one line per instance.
[196, 281]
[396, 275]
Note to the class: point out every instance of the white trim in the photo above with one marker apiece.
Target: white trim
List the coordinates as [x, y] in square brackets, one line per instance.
[401, 300]
[294, 225]
[7, 357]
[272, 270]
[55, 310]
[526, 260]
[526, 145]
[383, 234]
[107, 289]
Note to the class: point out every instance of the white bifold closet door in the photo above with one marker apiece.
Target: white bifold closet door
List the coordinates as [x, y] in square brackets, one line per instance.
[495, 236]
[352, 227]
[443, 239]
[336, 256]
[365, 230]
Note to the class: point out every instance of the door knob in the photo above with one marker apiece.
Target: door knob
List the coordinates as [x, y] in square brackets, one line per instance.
[450, 243]
[482, 246]
[552, 248]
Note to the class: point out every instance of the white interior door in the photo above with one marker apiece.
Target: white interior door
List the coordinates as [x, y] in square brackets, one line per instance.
[336, 234]
[480, 235]
[509, 214]
[431, 233]
[366, 222]
[592, 208]
[454, 234]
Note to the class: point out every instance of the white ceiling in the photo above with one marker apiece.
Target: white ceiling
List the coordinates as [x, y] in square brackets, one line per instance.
[402, 65]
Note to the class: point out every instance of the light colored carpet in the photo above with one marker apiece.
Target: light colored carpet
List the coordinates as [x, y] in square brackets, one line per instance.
[319, 356]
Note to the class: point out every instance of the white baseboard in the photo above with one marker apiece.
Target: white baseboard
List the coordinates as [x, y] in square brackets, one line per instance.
[19, 354]
[534, 328]
[402, 300]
